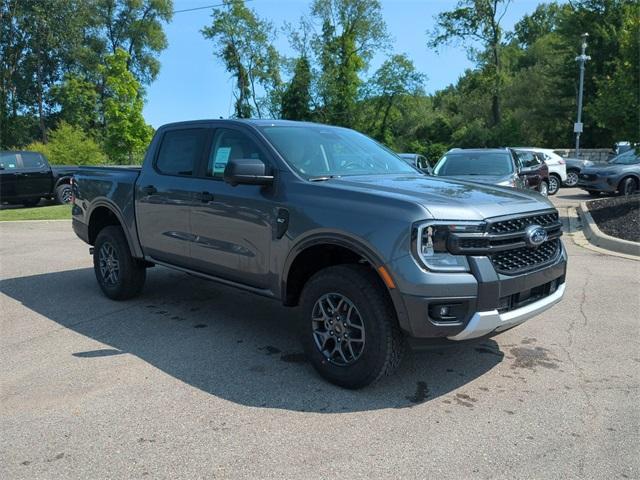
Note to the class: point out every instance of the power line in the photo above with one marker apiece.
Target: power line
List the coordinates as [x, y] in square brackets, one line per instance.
[204, 8]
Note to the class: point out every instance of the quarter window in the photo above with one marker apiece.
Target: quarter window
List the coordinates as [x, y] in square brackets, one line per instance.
[181, 150]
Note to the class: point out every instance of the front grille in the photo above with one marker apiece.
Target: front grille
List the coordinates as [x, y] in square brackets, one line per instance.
[523, 259]
[517, 224]
[505, 242]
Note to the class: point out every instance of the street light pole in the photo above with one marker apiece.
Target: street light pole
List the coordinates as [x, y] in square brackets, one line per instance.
[581, 59]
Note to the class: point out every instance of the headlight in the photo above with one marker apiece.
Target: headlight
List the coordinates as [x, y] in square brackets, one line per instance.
[430, 240]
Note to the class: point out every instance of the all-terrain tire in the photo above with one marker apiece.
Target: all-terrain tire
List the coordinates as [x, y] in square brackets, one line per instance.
[63, 193]
[384, 343]
[111, 248]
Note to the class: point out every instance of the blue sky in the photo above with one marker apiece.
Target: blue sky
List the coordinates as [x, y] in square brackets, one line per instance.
[192, 84]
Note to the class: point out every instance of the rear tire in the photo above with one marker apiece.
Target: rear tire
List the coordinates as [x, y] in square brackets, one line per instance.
[554, 184]
[64, 193]
[119, 275]
[363, 326]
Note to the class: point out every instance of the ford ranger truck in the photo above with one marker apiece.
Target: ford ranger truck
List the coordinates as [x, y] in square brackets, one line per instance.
[374, 254]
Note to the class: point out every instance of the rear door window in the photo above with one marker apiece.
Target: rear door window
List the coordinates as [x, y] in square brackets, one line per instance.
[32, 160]
[181, 150]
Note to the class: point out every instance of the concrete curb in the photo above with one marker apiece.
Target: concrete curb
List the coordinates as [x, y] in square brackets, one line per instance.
[601, 239]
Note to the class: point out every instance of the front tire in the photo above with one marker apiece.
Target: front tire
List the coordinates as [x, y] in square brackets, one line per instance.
[572, 179]
[628, 186]
[554, 184]
[543, 188]
[351, 333]
[119, 275]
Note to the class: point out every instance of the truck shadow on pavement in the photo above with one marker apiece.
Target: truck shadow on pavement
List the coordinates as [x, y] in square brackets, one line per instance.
[232, 344]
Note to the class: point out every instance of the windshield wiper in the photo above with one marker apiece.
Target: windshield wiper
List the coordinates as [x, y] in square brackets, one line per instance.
[323, 178]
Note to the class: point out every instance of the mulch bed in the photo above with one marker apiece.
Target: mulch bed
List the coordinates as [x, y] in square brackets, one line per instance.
[617, 216]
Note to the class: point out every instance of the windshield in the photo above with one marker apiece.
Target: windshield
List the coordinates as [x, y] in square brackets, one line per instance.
[627, 158]
[474, 163]
[318, 151]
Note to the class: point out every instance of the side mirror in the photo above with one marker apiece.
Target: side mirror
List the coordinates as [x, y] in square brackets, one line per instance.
[246, 171]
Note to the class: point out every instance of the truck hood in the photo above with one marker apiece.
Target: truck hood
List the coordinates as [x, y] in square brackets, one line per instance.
[447, 199]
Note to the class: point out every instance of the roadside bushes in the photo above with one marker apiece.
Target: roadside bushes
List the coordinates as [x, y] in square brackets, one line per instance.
[69, 145]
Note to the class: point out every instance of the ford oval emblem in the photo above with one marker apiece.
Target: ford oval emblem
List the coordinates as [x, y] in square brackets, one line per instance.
[535, 235]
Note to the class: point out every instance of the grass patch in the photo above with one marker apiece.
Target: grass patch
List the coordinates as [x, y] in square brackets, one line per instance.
[55, 212]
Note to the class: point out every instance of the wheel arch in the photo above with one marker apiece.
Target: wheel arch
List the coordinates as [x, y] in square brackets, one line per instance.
[102, 214]
[306, 258]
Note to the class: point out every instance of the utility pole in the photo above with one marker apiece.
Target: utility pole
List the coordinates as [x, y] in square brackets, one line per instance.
[581, 59]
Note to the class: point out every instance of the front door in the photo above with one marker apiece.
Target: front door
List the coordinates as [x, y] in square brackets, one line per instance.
[35, 179]
[164, 194]
[232, 226]
[8, 175]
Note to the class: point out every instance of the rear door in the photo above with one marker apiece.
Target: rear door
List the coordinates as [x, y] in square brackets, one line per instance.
[35, 179]
[233, 226]
[165, 192]
[8, 175]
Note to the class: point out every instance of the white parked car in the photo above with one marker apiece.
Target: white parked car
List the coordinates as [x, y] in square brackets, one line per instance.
[556, 164]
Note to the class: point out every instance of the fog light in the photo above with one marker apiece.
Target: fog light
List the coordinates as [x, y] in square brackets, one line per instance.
[446, 312]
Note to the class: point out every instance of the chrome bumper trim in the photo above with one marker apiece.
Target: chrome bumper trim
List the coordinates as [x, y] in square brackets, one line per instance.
[484, 323]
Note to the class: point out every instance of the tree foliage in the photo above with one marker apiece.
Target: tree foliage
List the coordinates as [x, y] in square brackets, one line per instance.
[69, 145]
[127, 135]
[243, 42]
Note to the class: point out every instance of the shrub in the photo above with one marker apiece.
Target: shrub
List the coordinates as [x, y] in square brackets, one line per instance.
[69, 145]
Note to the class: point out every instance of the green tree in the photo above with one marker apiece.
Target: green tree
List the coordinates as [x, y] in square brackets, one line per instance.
[243, 42]
[351, 32]
[39, 38]
[617, 103]
[79, 101]
[396, 77]
[478, 21]
[127, 135]
[296, 99]
[134, 26]
[69, 145]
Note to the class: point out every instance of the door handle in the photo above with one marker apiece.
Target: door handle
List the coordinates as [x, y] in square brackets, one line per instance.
[149, 190]
[206, 197]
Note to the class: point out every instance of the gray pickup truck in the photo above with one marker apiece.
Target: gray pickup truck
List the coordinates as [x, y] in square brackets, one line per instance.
[375, 255]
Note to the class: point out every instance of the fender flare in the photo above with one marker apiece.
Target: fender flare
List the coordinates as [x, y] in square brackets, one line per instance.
[358, 247]
[134, 247]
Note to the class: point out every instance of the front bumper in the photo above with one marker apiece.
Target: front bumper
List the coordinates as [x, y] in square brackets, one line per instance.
[597, 184]
[487, 301]
[484, 323]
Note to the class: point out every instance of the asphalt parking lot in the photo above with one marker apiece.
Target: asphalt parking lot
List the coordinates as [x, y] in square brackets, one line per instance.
[197, 380]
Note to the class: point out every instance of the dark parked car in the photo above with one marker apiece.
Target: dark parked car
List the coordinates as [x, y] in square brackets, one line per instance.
[495, 166]
[620, 175]
[418, 161]
[26, 177]
[535, 170]
[574, 167]
[372, 251]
